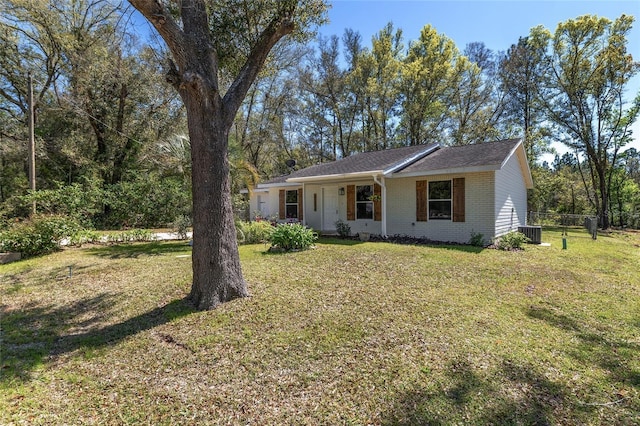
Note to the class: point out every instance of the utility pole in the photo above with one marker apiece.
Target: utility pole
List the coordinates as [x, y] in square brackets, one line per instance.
[32, 143]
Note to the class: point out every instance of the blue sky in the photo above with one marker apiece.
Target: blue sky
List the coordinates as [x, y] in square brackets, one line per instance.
[496, 23]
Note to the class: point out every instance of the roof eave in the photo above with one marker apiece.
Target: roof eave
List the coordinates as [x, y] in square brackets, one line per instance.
[275, 185]
[338, 176]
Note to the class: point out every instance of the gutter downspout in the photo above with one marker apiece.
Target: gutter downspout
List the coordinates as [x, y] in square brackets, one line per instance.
[383, 225]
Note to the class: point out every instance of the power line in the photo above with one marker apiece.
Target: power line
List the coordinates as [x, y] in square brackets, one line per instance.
[83, 111]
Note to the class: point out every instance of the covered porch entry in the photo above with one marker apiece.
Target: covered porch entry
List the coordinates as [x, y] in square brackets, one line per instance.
[330, 210]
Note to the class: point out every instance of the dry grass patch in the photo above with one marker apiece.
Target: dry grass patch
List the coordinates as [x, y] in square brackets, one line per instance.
[347, 333]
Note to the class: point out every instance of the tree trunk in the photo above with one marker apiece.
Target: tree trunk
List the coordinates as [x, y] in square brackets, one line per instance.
[604, 200]
[217, 275]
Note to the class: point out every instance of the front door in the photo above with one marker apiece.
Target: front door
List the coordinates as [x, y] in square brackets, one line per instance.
[329, 208]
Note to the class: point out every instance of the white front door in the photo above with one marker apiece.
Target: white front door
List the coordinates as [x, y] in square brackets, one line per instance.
[329, 208]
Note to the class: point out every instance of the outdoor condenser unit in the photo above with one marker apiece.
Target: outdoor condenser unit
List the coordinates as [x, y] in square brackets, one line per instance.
[534, 233]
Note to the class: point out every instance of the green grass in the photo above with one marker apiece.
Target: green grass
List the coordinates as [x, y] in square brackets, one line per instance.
[346, 333]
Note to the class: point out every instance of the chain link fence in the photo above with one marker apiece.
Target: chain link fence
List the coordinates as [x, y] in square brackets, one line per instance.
[561, 220]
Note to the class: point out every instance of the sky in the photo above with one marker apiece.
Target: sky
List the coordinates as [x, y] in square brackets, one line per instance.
[498, 24]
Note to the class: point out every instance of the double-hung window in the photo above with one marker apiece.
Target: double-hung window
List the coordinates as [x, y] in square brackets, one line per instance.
[364, 202]
[291, 204]
[440, 200]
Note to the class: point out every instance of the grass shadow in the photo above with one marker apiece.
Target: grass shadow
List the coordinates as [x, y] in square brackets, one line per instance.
[468, 396]
[338, 241]
[402, 241]
[462, 248]
[594, 345]
[36, 334]
[135, 250]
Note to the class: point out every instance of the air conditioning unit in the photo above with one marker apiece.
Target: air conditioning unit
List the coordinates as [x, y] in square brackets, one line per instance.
[534, 233]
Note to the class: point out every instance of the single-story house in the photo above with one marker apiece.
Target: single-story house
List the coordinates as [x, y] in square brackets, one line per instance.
[441, 193]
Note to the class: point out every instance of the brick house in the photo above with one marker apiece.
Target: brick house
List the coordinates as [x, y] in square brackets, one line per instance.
[441, 193]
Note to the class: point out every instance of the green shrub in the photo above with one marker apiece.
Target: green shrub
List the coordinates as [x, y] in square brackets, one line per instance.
[477, 239]
[343, 229]
[292, 236]
[84, 236]
[81, 202]
[145, 202]
[130, 236]
[181, 226]
[511, 241]
[40, 235]
[255, 232]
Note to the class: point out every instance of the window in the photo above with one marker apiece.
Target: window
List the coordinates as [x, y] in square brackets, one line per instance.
[364, 204]
[440, 200]
[291, 204]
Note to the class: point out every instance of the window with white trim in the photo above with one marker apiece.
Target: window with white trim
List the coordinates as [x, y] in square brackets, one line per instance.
[291, 204]
[364, 203]
[440, 200]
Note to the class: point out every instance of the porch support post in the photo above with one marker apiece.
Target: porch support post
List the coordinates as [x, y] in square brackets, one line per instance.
[383, 216]
[304, 205]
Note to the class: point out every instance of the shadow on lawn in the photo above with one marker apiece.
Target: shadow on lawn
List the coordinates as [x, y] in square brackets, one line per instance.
[339, 241]
[525, 396]
[520, 392]
[595, 345]
[135, 250]
[35, 334]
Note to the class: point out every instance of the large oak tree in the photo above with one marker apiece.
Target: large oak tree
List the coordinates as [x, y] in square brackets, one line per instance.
[207, 39]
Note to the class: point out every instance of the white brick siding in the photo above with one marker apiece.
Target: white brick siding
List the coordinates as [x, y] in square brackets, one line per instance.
[479, 210]
[358, 225]
[270, 202]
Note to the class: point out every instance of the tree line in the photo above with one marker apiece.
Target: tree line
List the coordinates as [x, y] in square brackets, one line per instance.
[111, 132]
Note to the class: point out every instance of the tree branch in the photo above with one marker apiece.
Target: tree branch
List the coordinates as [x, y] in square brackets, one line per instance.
[280, 26]
[169, 30]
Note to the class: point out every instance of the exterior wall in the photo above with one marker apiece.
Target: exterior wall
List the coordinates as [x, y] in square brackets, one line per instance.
[314, 217]
[358, 225]
[495, 203]
[479, 204]
[269, 203]
[511, 197]
[256, 209]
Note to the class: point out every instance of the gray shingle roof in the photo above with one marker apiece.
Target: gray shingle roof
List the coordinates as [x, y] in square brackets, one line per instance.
[466, 156]
[454, 157]
[363, 162]
[358, 163]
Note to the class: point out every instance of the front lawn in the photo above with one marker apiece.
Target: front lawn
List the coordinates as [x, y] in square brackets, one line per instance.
[346, 333]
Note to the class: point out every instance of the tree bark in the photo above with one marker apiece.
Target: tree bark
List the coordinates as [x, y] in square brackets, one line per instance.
[217, 274]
